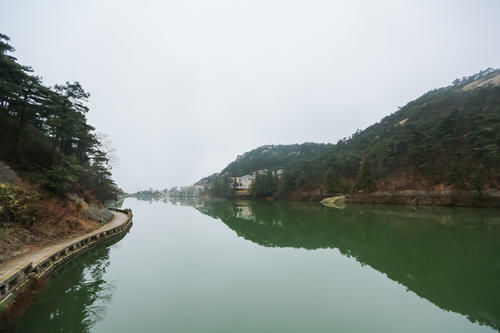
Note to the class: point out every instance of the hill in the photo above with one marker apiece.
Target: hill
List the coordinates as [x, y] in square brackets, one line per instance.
[275, 157]
[445, 142]
[55, 170]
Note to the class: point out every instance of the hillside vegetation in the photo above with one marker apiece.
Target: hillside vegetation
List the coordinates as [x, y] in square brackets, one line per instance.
[52, 162]
[44, 131]
[447, 139]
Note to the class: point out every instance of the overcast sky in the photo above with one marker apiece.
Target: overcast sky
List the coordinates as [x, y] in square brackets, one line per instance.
[183, 87]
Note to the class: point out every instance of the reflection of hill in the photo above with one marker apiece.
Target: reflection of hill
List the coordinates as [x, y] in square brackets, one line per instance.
[448, 256]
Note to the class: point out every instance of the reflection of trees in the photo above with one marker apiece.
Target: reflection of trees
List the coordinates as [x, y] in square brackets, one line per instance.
[449, 256]
[150, 198]
[185, 201]
[75, 298]
[178, 201]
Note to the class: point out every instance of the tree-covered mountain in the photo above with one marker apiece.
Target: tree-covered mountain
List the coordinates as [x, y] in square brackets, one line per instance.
[449, 138]
[53, 164]
[275, 157]
[44, 132]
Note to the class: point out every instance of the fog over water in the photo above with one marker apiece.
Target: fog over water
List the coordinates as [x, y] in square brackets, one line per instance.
[182, 87]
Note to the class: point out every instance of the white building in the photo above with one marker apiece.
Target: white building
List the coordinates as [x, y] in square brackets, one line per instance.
[244, 182]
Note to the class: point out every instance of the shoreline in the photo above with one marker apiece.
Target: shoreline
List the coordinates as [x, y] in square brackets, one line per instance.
[472, 199]
[17, 273]
[443, 198]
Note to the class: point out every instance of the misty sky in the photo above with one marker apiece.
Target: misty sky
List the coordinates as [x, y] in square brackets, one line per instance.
[183, 87]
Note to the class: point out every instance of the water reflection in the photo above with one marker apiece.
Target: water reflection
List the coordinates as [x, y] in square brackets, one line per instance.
[178, 201]
[448, 256]
[204, 279]
[75, 299]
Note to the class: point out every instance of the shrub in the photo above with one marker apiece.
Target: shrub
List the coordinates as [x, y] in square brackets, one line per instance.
[61, 178]
[16, 204]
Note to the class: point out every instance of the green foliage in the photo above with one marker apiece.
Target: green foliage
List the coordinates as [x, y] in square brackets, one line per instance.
[448, 136]
[223, 187]
[62, 177]
[285, 184]
[331, 180]
[477, 180]
[147, 193]
[275, 157]
[265, 185]
[365, 179]
[76, 156]
[16, 204]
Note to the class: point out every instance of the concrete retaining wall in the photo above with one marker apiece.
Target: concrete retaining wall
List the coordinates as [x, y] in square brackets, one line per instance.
[27, 271]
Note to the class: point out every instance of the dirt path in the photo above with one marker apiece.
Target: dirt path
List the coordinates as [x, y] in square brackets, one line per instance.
[39, 255]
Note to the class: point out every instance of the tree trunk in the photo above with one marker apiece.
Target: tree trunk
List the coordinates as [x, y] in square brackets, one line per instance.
[22, 125]
[54, 146]
[19, 137]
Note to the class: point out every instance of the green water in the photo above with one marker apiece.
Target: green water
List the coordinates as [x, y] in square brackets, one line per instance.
[220, 266]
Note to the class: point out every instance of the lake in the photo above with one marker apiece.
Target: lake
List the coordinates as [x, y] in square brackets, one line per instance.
[249, 266]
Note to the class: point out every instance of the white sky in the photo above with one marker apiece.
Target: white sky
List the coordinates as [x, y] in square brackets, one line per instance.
[182, 87]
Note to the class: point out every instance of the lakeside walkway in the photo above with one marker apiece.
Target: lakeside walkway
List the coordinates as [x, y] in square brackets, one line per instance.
[36, 257]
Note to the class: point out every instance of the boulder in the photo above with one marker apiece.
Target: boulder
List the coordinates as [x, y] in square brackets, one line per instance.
[82, 205]
[102, 215]
[7, 175]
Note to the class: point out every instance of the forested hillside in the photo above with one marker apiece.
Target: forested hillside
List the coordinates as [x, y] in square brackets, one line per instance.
[44, 131]
[275, 157]
[449, 138]
[53, 164]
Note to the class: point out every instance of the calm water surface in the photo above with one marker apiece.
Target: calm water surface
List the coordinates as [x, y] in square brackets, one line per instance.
[221, 266]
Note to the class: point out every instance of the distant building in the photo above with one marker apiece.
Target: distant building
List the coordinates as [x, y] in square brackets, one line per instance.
[260, 172]
[244, 182]
[199, 189]
[174, 192]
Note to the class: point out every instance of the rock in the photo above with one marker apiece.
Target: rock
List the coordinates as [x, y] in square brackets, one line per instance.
[7, 175]
[334, 202]
[82, 205]
[102, 215]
